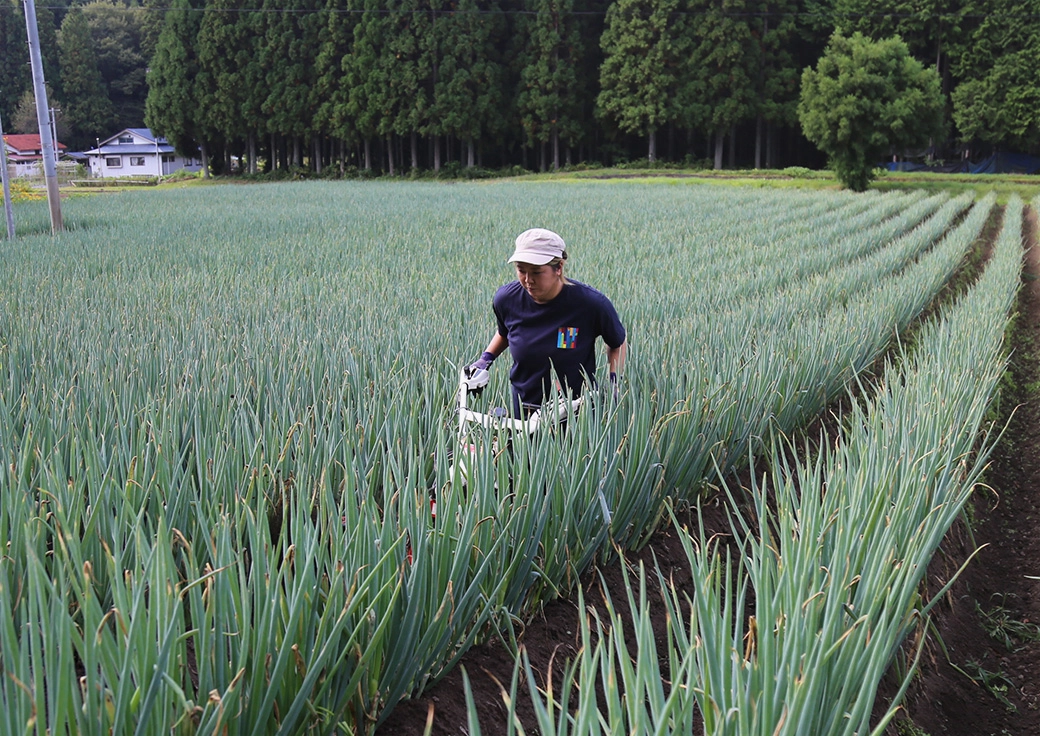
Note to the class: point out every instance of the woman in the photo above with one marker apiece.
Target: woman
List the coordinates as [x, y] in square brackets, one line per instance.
[550, 325]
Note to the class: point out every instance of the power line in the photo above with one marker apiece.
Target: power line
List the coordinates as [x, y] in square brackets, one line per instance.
[819, 15]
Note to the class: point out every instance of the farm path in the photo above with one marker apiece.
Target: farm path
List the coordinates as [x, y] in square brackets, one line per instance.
[944, 699]
[988, 680]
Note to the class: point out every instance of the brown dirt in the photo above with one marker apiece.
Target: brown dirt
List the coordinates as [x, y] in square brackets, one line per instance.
[944, 698]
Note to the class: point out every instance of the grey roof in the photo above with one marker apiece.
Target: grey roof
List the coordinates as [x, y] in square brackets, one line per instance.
[145, 133]
[115, 150]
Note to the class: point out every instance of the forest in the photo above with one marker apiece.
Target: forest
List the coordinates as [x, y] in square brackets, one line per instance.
[392, 86]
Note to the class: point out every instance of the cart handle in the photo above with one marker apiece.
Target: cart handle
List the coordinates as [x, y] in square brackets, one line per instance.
[530, 425]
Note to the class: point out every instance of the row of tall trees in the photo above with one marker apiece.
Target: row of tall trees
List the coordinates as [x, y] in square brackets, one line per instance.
[412, 83]
[398, 84]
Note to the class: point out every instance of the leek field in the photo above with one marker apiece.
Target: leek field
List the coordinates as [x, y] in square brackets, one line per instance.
[224, 413]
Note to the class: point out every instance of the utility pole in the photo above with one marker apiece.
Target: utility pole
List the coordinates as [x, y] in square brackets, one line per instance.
[7, 185]
[50, 171]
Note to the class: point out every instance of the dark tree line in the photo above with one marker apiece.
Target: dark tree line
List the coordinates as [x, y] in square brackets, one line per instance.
[415, 84]
[394, 85]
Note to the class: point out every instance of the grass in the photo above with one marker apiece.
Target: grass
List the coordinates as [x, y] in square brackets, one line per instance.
[906, 727]
[1001, 625]
[1003, 185]
[995, 682]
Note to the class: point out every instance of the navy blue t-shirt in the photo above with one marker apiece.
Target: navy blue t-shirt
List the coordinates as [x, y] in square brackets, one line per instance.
[556, 337]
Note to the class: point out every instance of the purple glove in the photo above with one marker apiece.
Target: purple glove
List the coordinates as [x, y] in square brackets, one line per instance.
[476, 373]
[480, 364]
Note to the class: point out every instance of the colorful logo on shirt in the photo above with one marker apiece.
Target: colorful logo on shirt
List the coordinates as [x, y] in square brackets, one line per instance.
[567, 338]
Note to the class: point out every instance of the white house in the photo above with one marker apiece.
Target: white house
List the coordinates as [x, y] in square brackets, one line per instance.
[136, 152]
[25, 153]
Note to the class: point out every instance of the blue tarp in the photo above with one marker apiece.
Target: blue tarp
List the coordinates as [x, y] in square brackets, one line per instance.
[1007, 163]
[998, 163]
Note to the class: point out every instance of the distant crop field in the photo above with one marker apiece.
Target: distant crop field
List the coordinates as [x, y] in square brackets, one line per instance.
[224, 413]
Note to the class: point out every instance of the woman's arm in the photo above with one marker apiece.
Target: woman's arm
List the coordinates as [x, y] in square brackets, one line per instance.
[497, 345]
[616, 357]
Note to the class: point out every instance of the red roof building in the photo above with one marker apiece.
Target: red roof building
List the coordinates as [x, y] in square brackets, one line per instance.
[25, 152]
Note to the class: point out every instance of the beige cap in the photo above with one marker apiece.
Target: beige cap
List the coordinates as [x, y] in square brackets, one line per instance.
[538, 246]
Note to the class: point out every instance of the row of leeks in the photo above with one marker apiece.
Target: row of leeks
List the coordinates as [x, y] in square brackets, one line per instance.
[778, 364]
[215, 520]
[791, 630]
